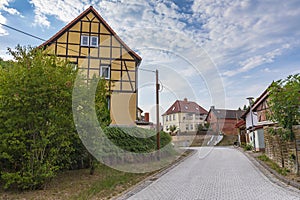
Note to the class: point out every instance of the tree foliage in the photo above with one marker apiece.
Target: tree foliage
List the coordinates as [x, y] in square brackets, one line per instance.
[36, 128]
[284, 104]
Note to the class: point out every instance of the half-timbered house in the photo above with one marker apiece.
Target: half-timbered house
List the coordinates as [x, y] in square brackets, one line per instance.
[90, 43]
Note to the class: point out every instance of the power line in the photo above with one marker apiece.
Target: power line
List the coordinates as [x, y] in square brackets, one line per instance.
[23, 32]
[36, 37]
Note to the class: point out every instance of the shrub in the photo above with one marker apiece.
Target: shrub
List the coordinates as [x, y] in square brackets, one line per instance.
[248, 147]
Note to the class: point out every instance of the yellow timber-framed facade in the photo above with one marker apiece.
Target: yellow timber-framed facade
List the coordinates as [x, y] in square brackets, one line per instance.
[90, 43]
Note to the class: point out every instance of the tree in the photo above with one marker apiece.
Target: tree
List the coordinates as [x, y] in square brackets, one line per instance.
[245, 107]
[284, 104]
[36, 127]
[173, 129]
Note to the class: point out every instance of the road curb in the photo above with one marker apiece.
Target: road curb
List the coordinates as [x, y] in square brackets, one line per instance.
[271, 174]
[149, 180]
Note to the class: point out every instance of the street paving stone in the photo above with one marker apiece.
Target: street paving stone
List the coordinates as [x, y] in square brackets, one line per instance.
[216, 173]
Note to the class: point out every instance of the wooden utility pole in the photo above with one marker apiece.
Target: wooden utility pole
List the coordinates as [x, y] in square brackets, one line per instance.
[157, 112]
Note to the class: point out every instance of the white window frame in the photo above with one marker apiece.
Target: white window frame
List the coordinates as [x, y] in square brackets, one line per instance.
[91, 41]
[82, 39]
[101, 71]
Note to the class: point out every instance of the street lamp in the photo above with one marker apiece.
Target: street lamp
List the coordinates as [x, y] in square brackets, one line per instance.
[250, 99]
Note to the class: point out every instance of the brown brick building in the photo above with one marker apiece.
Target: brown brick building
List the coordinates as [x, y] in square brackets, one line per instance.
[223, 121]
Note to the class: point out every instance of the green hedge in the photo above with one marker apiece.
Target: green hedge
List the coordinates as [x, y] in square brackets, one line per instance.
[137, 140]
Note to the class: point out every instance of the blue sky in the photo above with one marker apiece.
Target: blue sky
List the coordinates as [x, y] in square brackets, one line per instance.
[214, 52]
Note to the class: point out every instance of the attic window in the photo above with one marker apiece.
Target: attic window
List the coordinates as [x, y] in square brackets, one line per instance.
[197, 108]
[89, 41]
[186, 107]
[85, 40]
[94, 41]
[173, 108]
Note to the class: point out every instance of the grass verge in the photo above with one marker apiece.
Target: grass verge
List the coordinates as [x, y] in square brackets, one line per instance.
[106, 183]
[273, 165]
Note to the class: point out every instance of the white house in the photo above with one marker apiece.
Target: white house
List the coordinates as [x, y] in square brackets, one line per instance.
[255, 132]
[185, 115]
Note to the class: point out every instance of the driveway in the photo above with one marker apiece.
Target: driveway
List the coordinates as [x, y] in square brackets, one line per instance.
[216, 173]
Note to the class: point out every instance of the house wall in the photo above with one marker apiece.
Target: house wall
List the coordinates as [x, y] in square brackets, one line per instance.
[249, 120]
[226, 126]
[186, 122]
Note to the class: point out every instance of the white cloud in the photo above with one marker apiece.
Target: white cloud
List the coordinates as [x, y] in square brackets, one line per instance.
[230, 36]
[3, 21]
[64, 11]
[256, 61]
[4, 7]
[248, 33]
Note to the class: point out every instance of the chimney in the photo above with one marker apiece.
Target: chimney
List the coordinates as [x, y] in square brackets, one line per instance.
[185, 99]
[212, 107]
[147, 117]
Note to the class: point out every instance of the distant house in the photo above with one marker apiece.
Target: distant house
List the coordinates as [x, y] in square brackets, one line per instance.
[256, 120]
[223, 121]
[254, 132]
[91, 44]
[185, 115]
[260, 109]
[260, 106]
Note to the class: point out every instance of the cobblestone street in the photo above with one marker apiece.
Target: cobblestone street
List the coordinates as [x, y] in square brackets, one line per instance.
[216, 173]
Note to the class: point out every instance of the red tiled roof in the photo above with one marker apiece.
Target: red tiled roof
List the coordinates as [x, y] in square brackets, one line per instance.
[185, 107]
[84, 13]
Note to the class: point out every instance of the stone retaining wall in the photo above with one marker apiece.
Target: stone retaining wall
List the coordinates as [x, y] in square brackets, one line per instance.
[282, 152]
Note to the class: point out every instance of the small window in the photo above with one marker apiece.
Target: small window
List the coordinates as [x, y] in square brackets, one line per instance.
[174, 117]
[94, 41]
[187, 127]
[84, 40]
[167, 118]
[105, 72]
[173, 108]
[192, 127]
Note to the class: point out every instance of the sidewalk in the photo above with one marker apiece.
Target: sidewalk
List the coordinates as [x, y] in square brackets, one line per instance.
[267, 171]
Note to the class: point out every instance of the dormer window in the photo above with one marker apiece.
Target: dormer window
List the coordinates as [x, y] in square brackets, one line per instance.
[186, 107]
[173, 108]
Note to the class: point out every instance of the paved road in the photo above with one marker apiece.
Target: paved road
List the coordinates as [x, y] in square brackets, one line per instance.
[216, 173]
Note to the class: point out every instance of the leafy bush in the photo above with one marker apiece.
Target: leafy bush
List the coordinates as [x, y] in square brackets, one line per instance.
[36, 125]
[248, 147]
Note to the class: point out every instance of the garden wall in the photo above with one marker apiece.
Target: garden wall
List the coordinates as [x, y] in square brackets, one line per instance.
[280, 151]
